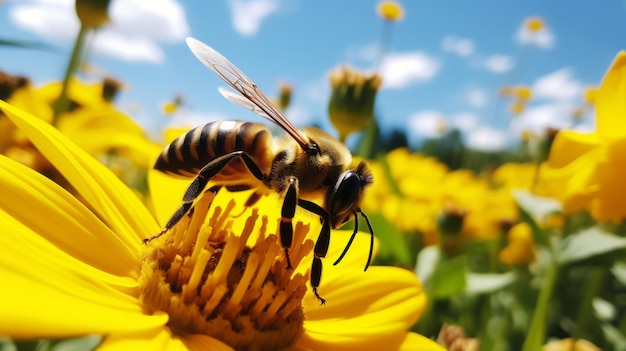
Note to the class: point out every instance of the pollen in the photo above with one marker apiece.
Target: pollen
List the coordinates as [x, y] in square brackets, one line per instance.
[230, 284]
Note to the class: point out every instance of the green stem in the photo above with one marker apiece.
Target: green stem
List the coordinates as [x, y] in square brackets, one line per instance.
[537, 332]
[367, 144]
[595, 282]
[63, 102]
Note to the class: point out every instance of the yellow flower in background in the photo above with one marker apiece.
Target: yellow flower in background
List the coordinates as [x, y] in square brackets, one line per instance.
[428, 190]
[284, 97]
[78, 267]
[586, 170]
[92, 122]
[171, 107]
[351, 105]
[534, 24]
[570, 344]
[515, 175]
[520, 248]
[590, 94]
[390, 11]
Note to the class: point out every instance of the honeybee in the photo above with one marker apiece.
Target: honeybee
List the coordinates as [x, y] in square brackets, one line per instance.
[305, 167]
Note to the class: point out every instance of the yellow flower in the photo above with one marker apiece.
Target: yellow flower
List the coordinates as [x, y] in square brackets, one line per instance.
[284, 100]
[586, 170]
[93, 123]
[70, 269]
[390, 11]
[171, 107]
[534, 24]
[590, 94]
[570, 345]
[351, 105]
[517, 107]
[523, 92]
[520, 248]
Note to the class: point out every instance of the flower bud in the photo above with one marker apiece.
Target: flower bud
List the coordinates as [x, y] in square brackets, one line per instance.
[92, 13]
[351, 106]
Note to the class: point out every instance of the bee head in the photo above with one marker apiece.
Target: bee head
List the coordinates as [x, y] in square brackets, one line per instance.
[344, 197]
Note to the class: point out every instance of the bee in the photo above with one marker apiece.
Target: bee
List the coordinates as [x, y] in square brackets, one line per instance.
[307, 167]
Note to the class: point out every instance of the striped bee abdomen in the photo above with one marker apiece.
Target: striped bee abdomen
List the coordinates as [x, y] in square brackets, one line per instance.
[188, 153]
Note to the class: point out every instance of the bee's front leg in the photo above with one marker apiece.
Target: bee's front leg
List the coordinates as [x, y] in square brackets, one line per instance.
[287, 213]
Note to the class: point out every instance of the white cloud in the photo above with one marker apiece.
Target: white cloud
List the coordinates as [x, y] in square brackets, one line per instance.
[365, 53]
[460, 46]
[477, 98]
[134, 32]
[499, 63]
[487, 139]
[541, 117]
[400, 70]
[427, 124]
[558, 85]
[544, 38]
[464, 121]
[50, 19]
[299, 115]
[247, 16]
[162, 20]
[186, 118]
[115, 44]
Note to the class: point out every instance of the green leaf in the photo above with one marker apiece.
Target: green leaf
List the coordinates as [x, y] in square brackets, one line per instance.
[535, 208]
[393, 247]
[28, 45]
[448, 279]
[89, 342]
[427, 262]
[587, 244]
[614, 336]
[538, 207]
[619, 272]
[481, 283]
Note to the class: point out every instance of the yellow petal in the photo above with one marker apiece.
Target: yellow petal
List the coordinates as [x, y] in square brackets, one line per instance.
[608, 178]
[110, 198]
[56, 216]
[416, 342]
[381, 301]
[398, 341]
[611, 101]
[167, 193]
[568, 146]
[48, 294]
[162, 340]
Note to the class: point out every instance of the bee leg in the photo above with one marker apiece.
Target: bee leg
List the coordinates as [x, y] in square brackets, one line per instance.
[287, 213]
[320, 250]
[321, 245]
[201, 180]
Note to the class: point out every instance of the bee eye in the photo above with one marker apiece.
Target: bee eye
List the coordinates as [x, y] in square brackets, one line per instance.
[346, 193]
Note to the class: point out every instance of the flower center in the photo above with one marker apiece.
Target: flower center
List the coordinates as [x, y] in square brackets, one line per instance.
[209, 282]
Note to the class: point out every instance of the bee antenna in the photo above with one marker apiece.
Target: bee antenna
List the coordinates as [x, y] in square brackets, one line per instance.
[369, 226]
[356, 228]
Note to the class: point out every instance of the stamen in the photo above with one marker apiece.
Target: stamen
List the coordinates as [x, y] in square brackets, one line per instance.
[208, 281]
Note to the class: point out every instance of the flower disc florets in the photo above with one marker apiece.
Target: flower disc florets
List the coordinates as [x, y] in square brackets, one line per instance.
[209, 282]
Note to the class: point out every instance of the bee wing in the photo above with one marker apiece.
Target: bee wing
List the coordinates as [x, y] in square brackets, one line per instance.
[241, 101]
[251, 96]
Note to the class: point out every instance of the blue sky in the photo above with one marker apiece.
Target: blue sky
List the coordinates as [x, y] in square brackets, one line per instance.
[446, 61]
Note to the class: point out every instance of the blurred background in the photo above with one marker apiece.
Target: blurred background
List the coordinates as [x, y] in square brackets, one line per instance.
[444, 63]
